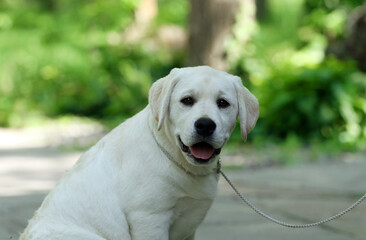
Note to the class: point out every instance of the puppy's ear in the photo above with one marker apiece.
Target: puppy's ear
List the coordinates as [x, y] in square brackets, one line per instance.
[159, 95]
[248, 108]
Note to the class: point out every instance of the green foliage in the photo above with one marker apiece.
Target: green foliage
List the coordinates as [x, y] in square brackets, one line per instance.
[61, 57]
[303, 93]
[173, 12]
[327, 101]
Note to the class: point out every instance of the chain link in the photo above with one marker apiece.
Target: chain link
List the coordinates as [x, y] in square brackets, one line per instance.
[245, 200]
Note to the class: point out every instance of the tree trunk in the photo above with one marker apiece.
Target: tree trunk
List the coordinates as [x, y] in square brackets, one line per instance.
[355, 44]
[210, 22]
[356, 41]
[261, 6]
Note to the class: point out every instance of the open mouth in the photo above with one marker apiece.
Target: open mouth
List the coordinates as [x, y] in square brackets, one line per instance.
[201, 152]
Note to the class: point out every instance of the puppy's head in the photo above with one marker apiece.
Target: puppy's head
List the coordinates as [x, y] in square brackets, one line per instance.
[200, 106]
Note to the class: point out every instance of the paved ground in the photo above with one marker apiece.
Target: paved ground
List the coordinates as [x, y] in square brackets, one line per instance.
[300, 194]
[297, 194]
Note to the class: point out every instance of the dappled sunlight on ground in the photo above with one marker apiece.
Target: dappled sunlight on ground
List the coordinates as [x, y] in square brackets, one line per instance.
[29, 168]
[64, 132]
[29, 163]
[24, 171]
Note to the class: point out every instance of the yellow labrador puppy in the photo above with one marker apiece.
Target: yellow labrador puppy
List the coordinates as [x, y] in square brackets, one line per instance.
[153, 176]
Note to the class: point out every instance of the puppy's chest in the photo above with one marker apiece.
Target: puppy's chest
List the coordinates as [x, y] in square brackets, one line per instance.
[187, 214]
[186, 206]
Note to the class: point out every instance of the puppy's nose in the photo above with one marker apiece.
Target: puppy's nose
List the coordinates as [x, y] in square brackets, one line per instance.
[205, 127]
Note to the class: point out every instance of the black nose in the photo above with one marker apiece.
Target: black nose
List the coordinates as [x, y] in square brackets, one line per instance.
[205, 127]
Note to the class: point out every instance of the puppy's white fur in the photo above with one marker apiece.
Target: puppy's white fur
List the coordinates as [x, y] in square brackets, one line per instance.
[126, 187]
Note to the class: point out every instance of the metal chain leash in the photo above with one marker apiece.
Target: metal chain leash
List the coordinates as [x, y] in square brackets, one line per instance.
[245, 200]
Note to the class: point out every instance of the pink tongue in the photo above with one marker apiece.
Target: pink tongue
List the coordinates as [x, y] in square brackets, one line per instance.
[202, 151]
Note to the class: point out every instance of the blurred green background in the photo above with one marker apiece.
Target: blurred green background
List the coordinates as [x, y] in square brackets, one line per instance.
[98, 58]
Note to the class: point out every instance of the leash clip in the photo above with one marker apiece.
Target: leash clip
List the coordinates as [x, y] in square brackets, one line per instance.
[218, 168]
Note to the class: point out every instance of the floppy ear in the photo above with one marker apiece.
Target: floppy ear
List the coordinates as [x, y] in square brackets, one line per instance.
[248, 109]
[159, 95]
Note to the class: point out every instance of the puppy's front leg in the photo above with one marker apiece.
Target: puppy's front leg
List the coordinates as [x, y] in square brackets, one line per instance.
[145, 226]
[147, 233]
[190, 237]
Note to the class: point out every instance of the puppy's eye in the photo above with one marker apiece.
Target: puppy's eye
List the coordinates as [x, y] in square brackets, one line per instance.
[222, 103]
[188, 101]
